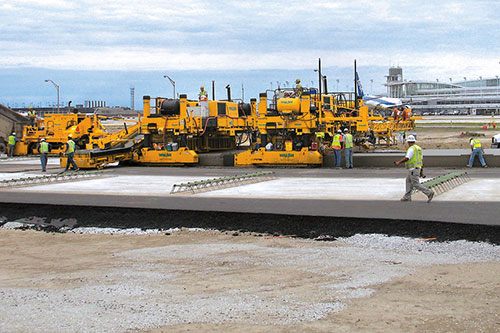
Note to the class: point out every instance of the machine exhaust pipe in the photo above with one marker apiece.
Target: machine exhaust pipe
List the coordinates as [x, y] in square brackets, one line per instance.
[228, 88]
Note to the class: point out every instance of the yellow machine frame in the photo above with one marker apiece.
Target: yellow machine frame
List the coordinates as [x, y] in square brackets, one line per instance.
[56, 128]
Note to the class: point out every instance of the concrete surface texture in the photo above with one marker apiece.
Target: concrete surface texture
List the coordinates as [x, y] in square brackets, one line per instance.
[357, 193]
[283, 188]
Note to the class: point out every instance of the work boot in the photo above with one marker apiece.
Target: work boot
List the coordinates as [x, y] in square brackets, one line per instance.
[430, 196]
[405, 199]
[469, 166]
[485, 166]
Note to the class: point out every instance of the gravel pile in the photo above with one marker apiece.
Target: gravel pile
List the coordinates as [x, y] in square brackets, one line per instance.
[182, 283]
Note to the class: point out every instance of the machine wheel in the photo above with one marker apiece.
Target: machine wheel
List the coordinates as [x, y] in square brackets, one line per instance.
[3, 147]
[31, 148]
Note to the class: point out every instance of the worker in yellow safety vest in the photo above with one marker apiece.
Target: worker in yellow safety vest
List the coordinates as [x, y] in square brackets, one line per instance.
[477, 149]
[348, 147]
[12, 144]
[337, 148]
[70, 154]
[32, 116]
[43, 149]
[203, 95]
[414, 163]
[298, 89]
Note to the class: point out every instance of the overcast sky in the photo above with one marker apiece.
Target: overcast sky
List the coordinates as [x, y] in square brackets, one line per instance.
[430, 39]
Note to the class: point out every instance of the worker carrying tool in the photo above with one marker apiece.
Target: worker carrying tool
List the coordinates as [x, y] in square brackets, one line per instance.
[32, 116]
[476, 149]
[70, 154]
[203, 95]
[414, 163]
[298, 89]
[337, 148]
[44, 149]
[12, 144]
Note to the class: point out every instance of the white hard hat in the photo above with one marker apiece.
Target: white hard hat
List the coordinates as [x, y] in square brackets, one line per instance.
[411, 138]
[42, 139]
[339, 131]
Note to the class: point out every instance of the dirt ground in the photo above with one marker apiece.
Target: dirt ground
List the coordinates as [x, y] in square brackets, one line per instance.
[283, 281]
[451, 138]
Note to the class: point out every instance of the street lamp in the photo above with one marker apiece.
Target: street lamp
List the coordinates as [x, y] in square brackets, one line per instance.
[57, 87]
[338, 84]
[481, 84]
[171, 81]
[371, 88]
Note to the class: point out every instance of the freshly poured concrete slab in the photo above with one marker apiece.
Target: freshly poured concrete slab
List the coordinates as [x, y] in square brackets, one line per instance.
[281, 188]
[350, 197]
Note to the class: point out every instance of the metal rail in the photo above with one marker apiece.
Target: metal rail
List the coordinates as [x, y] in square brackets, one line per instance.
[222, 182]
[446, 182]
[54, 178]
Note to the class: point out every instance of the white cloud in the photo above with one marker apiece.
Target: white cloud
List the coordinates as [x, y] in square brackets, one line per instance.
[255, 34]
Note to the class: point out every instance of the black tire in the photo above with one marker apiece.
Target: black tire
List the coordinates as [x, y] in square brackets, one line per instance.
[3, 147]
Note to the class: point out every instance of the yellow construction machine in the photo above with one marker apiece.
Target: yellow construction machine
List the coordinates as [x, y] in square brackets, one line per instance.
[175, 130]
[285, 132]
[108, 148]
[56, 128]
[172, 132]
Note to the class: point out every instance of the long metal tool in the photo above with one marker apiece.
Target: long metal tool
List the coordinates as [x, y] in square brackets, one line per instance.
[446, 182]
[54, 178]
[222, 182]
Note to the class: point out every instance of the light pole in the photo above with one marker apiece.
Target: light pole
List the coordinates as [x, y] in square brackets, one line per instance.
[437, 88]
[171, 81]
[481, 85]
[497, 88]
[451, 88]
[57, 87]
[371, 87]
[338, 84]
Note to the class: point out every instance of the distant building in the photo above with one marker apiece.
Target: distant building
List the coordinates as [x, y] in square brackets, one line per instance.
[433, 97]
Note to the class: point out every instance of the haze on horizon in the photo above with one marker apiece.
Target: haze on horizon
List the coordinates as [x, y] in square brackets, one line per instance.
[98, 50]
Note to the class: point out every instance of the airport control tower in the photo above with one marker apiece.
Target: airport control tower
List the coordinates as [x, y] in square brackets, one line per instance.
[395, 82]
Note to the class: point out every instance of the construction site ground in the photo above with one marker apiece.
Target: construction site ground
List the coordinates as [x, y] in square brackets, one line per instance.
[314, 250]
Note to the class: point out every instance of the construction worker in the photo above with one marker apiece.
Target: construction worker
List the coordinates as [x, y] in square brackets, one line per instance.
[348, 147]
[396, 114]
[477, 149]
[402, 135]
[337, 148]
[32, 116]
[414, 163]
[203, 95]
[44, 149]
[12, 144]
[70, 154]
[298, 89]
[406, 113]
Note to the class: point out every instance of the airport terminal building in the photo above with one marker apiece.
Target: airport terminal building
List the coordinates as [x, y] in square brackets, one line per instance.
[481, 96]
